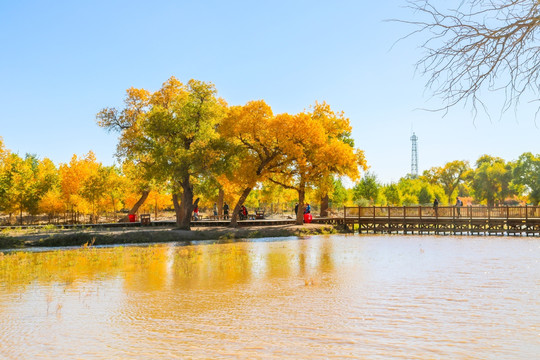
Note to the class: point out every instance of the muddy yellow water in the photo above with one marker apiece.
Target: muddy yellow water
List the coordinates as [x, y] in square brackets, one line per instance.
[371, 297]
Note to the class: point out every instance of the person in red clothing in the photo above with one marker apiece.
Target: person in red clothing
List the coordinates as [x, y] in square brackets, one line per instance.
[243, 213]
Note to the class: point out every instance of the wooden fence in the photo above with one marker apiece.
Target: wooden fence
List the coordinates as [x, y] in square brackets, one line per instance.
[503, 220]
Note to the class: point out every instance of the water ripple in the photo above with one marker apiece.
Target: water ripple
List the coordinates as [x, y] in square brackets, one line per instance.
[340, 297]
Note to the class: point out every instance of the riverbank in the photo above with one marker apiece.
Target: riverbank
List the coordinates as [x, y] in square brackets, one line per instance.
[79, 237]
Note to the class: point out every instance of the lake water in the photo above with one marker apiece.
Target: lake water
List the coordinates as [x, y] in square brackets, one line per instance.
[372, 297]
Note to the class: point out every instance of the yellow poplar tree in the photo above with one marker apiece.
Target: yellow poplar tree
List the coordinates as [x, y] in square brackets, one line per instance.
[3, 153]
[138, 185]
[320, 146]
[277, 197]
[51, 203]
[261, 140]
[171, 133]
[4, 175]
[157, 201]
[24, 181]
[116, 185]
[20, 182]
[128, 122]
[74, 181]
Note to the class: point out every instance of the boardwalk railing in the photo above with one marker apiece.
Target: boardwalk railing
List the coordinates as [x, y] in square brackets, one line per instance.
[475, 212]
[445, 219]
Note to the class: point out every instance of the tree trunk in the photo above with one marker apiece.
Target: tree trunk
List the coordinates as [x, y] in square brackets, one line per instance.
[185, 209]
[155, 208]
[186, 204]
[177, 208]
[236, 211]
[300, 213]
[93, 215]
[183, 220]
[21, 208]
[220, 202]
[137, 205]
[324, 205]
[114, 207]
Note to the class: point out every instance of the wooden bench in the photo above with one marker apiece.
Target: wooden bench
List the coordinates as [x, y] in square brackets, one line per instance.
[145, 219]
[259, 214]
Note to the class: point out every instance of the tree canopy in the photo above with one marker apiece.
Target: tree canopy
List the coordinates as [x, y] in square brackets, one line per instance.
[171, 135]
[320, 146]
[260, 140]
[527, 174]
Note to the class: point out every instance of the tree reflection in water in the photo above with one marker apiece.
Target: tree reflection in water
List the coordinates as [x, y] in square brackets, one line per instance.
[251, 300]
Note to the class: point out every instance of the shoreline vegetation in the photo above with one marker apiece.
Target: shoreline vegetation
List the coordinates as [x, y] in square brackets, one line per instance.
[30, 238]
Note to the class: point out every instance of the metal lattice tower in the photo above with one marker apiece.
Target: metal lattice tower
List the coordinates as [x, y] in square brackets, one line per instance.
[414, 156]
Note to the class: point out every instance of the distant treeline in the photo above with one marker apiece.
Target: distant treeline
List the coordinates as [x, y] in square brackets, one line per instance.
[492, 181]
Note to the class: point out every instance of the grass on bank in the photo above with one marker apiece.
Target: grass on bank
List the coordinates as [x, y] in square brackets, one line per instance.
[80, 237]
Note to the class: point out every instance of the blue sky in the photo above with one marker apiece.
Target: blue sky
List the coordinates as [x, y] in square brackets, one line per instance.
[62, 61]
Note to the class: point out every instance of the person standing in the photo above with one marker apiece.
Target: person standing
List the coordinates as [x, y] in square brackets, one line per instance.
[459, 204]
[226, 211]
[436, 206]
[196, 213]
[215, 211]
[296, 209]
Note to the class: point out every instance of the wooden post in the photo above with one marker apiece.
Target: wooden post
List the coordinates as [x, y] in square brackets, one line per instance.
[388, 209]
[374, 219]
[437, 220]
[470, 220]
[359, 217]
[344, 217]
[489, 219]
[419, 225]
[507, 216]
[526, 221]
[454, 220]
[404, 221]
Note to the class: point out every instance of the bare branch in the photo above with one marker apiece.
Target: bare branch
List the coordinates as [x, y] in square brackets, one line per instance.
[480, 45]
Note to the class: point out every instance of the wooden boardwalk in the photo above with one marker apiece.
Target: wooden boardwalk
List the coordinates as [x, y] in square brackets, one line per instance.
[477, 220]
[524, 220]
